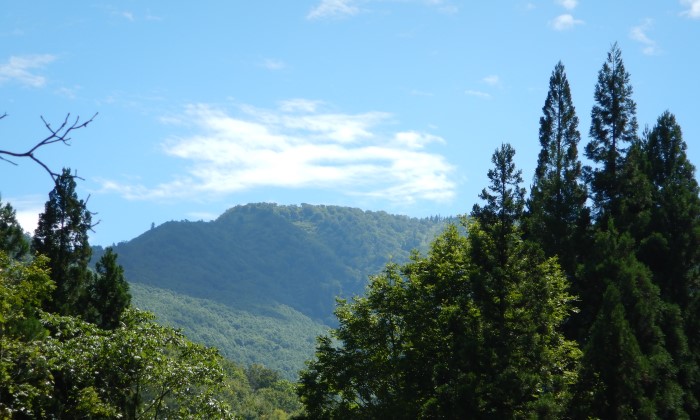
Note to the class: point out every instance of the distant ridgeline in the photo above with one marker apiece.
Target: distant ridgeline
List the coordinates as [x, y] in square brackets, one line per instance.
[258, 258]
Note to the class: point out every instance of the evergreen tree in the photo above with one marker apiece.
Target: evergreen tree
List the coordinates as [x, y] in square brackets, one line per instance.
[109, 292]
[627, 367]
[671, 246]
[557, 213]
[62, 235]
[613, 127]
[505, 199]
[13, 240]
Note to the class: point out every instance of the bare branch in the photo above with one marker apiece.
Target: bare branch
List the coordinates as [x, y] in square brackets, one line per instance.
[57, 135]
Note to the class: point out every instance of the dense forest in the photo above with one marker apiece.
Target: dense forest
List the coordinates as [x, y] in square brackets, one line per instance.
[259, 283]
[579, 300]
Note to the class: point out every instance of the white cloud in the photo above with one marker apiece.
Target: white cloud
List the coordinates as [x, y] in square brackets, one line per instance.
[299, 105]
[27, 210]
[19, 68]
[333, 9]
[564, 22]
[478, 94]
[492, 80]
[298, 146]
[128, 16]
[272, 64]
[345, 8]
[443, 6]
[568, 4]
[693, 6]
[639, 33]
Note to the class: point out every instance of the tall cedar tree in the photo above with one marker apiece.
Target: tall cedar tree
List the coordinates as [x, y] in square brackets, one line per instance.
[613, 127]
[627, 369]
[62, 235]
[108, 293]
[522, 300]
[557, 214]
[671, 246]
[505, 199]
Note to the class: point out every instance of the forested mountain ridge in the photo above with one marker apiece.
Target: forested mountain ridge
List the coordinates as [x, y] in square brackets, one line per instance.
[260, 281]
[300, 256]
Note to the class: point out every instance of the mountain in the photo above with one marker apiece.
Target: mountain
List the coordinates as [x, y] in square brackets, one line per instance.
[267, 268]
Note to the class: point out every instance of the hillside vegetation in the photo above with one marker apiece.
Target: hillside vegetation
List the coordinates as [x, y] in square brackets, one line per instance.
[276, 336]
[260, 282]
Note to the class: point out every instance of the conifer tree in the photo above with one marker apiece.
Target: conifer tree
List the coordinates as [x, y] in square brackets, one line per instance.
[522, 300]
[62, 235]
[12, 238]
[557, 213]
[613, 128]
[505, 199]
[671, 246]
[108, 293]
[627, 367]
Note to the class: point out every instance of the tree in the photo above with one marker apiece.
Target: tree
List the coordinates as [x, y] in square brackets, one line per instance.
[613, 126]
[138, 370]
[557, 213]
[628, 370]
[108, 293]
[62, 235]
[671, 244]
[364, 376]
[13, 240]
[505, 199]
[472, 329]
[25, 375]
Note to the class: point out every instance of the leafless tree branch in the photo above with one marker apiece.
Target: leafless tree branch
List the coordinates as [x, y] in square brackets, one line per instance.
[61, 134]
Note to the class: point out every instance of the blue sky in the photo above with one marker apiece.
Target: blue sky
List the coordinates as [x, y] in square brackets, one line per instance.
[392, 105]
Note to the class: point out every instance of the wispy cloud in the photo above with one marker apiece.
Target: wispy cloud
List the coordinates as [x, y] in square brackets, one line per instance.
[478, 94]
[273, 64]
[443, 6]
[568, 4]
[299, 146]
[128, 16]
[693, 10]
[333, 9]
[639, 34]
[565, 22]
[19, 69]
[299, 105]
[492, 80]
[345, 8]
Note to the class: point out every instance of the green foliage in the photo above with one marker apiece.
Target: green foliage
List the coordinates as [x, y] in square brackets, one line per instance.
[62, 236]
[557, 214]
[424, 341]
[108, 293]
[25, 377]
[275, 336]
[299, 256]
[139, 369]
[671, 242]
[12, 238]
[613, 126]
[627, 364]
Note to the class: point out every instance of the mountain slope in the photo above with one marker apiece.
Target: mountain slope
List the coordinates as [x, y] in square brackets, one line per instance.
[275, 336]
[301, 256]
[265, 260]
